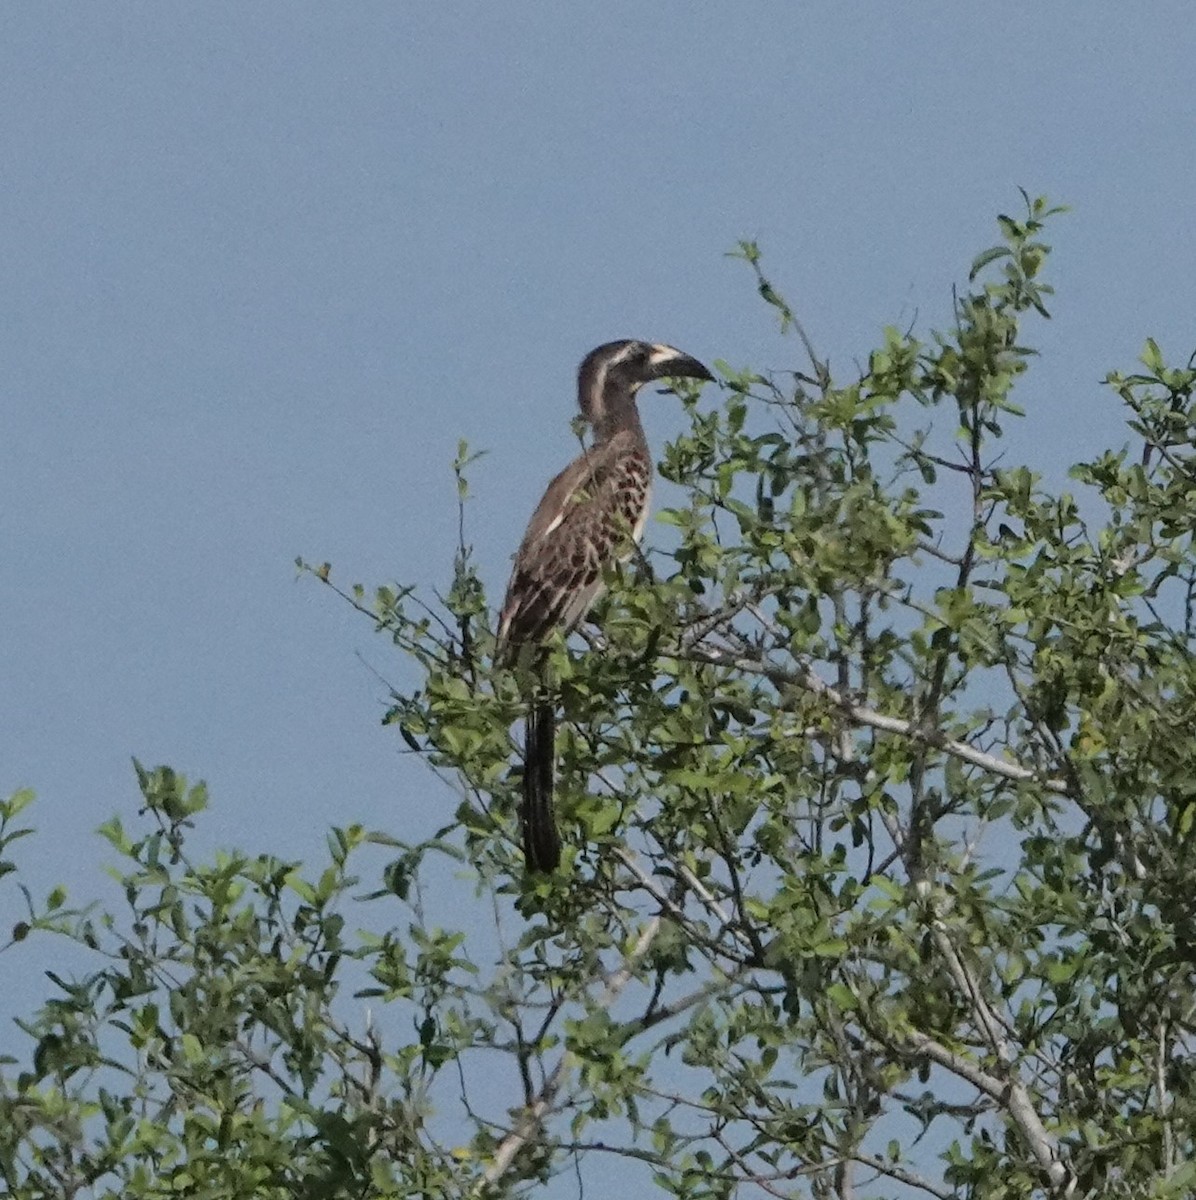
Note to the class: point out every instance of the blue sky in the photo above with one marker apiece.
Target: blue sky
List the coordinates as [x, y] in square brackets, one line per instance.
[263, 265]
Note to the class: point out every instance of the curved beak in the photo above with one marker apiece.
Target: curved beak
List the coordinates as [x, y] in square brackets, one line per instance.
[668, 362]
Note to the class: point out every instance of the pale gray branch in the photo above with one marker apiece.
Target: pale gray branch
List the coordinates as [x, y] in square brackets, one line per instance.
[1012, 1096]
[649, 884]
[1162, 1098]
[869, 717]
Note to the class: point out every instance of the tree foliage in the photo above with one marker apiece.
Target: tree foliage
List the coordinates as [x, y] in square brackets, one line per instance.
[877, 788]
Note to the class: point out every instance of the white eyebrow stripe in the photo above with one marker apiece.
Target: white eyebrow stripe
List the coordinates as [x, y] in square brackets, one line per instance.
[599, 387]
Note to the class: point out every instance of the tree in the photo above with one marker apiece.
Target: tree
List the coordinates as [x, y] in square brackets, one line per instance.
[878, 805]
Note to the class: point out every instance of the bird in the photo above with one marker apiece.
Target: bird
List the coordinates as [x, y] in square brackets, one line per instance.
[591, 516]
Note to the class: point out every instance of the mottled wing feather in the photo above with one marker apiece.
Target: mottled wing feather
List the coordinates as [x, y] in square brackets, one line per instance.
[586, 521]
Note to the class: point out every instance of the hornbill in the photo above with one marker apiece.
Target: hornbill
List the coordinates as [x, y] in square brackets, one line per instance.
[591, 516]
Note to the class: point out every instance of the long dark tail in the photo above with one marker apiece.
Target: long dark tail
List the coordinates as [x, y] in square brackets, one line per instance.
[541, 842]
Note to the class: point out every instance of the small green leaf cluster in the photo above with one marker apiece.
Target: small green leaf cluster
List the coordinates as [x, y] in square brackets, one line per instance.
[202, 1046]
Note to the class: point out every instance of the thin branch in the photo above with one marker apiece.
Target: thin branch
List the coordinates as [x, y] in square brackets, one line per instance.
[1010, 1093]
[666, 1012]
[926, 547]
[843, 1179]
[631, 861]
[1163, 1100]
[869, 717]
[1012, 1096]
[263, 1064]
[992, 1024]
[537, 1114]
[909, 1178]
[764, 1182]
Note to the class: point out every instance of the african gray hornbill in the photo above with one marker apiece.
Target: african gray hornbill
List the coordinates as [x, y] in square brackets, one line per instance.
[591, 516]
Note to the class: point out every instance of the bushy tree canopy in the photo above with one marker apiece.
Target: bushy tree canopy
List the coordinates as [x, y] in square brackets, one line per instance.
[877, 786]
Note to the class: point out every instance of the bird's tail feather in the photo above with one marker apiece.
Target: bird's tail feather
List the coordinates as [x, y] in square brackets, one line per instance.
[541, 842]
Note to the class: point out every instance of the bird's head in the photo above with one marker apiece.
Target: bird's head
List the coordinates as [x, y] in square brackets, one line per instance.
[617, 370]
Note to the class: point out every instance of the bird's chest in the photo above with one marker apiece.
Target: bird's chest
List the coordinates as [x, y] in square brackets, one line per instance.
[631, 500]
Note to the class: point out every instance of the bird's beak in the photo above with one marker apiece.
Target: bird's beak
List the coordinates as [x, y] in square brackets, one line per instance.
[670, 363]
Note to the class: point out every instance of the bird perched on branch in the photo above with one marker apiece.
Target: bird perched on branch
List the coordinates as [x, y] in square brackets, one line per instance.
[591, 517]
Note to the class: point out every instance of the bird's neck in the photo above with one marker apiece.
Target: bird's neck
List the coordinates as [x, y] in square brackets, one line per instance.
[616, 414]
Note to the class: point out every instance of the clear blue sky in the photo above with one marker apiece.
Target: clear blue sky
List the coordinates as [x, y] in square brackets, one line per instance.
[262, 265]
